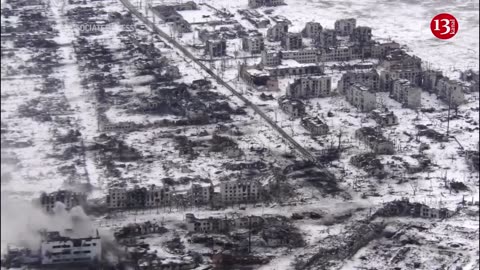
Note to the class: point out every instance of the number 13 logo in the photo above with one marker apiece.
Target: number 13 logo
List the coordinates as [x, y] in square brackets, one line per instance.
[444, 26]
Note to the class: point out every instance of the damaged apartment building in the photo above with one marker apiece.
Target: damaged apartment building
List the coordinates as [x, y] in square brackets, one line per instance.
[221, 225]
[268, 3]
[292, 106]
[450, 91]
[361, 97]
[369, 78]
[246, 191]
[257, 78]
[310, 87]
[374, 139]
[68, 198]
[146, 197]
[216, 47]
[315, 125]
[400, 65]
[253, 43]
[406, 93]
[384, 118]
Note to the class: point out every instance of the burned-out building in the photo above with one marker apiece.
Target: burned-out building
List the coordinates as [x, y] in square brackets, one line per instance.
[369, 163]
[68, 198]
[253, 43]
[404, 207]
[407, 94]
[310, 87]
[246, 191]
[257, 78]
[384, 118]
[369, 78]
[137, 197]
[345, 27]
[399, 65]
[200, 194]
[450, 91]
[361, 97]
[292, 41]
[216, 48]
[315, 125]
[291, 106]
[374, 139]
[361, 34]
[277, 31]
[327, 38]
[312, 29]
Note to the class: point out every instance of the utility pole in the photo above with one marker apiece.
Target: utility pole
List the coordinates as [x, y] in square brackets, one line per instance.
[448, 117]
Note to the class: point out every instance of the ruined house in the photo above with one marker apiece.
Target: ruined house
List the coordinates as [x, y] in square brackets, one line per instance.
[292, 107]
[315, 125]
[369, 163]
[375, 140]
[385, 118]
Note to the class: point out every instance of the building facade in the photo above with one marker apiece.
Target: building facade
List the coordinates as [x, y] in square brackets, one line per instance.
[253, 44]
[344, 27]
[292, 41]
[216, 48]
[361, 97]
[277, 31]
[312, 30]
[315, 125]
[240, 192]
[368, 78]
[407, 94]
[291, 106]
[310, 87]
[375, 140]
[361, 34]
[57, 249]
[68, 198]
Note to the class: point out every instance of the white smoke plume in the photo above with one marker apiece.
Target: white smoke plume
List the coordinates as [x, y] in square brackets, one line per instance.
[21, 222]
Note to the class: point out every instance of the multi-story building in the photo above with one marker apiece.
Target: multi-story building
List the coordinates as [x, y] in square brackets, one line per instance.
[206, 225]
[387, 78]
[430, 79]
[291, 67]
[302, 56]
[271, 58]
[381, 50]
[291, 106]
[268, 3]
[57, 249]
[344, 27]
[260, 79]
[336, 54]
[315, 125]
[292, 41]
[200, 194]
[153, 196]
[361, 97]
[375, 140]
[327, 38]
[450, 91]
[216, 48]
[68, 198]
[369, 78]
[277, 31]
[399, 60]
[385, 118]
[312, 30]
[310, 87]
[253, 43]
[361, 34]
[407, 94]
[246, 191]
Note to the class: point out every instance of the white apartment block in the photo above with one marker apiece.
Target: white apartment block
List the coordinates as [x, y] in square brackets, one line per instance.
[310, 87]
[407, 94]
[344, 27]
[57, 249]
[240, 191]
[361, 97]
